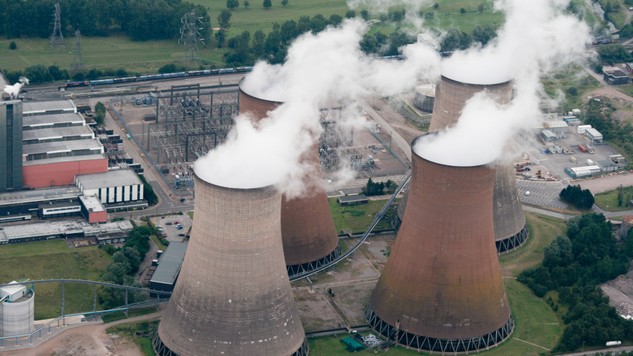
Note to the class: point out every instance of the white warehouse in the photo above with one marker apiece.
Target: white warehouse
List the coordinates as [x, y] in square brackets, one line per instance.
[112, 187]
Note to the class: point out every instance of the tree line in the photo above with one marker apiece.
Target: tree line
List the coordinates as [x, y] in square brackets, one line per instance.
[598, 114]
[573, 267]
[125, 263]
[141, 20]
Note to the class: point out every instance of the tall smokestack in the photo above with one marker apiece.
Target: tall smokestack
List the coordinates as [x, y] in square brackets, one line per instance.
[308, 232]
[441, 289]
[450, 99]
[233, 296]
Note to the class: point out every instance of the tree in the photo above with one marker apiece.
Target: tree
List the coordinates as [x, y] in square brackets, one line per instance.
[13, 45]
[267, 4]
[100, 111]
[462, 11]
[335, 20]
[246, 4]
[436, 6]
[284, 3]
[578, 197]
[224, 19]
[364, 14]
[483, 34]
[220, 36]
[349, 14]
[481, 7]
[232, 4]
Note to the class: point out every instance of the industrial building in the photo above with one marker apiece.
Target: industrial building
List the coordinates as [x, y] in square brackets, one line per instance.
[450, 99]
[17, 310]
[309, 235]
[614, 75]
[115, 189]
[169, 264]
[441, 289]
[92, 209]
[233, 295]
[10, 145]
[57, 145]
[64, 229]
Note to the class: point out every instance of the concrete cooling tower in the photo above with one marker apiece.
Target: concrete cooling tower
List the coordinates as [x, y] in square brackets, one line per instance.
[309, 235]
[450, 99]
[233, 296]
[441, 289]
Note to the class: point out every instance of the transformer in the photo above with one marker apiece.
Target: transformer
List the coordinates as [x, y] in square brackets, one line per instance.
[233, 296]
[450, 99]
[441, 289]
[309, 235]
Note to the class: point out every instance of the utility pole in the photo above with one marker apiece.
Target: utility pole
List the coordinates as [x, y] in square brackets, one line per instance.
[57, 38]
[191, 25]
[78, 60]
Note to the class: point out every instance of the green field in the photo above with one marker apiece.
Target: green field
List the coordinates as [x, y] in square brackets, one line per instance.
[146, 57]
[54, 259]
[609, 200]
[356, 219]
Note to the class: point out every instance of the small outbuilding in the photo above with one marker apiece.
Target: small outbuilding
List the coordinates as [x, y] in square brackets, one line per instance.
[353, 199]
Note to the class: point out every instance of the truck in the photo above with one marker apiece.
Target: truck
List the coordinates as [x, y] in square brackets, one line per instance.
[582, 148]
[613, 343]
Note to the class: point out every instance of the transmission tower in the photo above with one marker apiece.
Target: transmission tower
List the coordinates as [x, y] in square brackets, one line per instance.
[191, 25]
[57, 38]
[78, 60]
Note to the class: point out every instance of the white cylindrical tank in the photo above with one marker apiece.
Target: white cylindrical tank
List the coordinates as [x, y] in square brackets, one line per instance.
[17, 317]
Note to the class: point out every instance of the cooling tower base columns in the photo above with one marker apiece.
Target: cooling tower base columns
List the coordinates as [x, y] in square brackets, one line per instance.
[512, 242]
[161, 349]
[311, 266]
[424, 343]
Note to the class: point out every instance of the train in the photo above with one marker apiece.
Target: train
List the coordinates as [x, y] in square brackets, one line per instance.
[151, 77]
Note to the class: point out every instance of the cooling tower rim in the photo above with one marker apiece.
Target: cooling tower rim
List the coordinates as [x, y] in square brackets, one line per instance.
[483, 82]
[272, 101]
[486, 163]
[200, 179]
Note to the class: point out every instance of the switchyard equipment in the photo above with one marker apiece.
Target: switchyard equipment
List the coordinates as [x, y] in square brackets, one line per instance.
[441, 289]
[190, 121]
[309, 236]
[233, 295]
[450, 98]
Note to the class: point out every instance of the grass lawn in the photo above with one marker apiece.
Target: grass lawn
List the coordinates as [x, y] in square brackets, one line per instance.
[356, 219]
[146, 57]
[54, 259]
[570, 77]
[128, 331]
[542, 231]
[609, 200]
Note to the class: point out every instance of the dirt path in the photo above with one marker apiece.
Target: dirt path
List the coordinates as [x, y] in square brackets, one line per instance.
[87, 340]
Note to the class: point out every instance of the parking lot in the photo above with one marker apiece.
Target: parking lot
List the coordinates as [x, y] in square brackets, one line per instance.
[174, 227]
[552, 165]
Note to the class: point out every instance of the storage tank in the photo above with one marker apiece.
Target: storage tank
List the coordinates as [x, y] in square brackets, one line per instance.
[233, 296]
[16, 310]
[309, 235]
[424, 97]
[450, 98]
[441, 289]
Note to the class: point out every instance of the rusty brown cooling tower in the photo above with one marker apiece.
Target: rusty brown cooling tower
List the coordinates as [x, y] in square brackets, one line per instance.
[450, 99]
[441, 289]
[309, 235]
[233, 296]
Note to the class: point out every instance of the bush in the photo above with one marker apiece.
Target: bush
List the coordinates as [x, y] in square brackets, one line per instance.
[13, 45]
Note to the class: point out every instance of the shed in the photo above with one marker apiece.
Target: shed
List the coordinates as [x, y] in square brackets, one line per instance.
[353, 199]
[352, 345]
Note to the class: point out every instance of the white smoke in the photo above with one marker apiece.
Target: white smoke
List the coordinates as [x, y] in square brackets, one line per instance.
[536, 39]
[321, 71]
[14, 90]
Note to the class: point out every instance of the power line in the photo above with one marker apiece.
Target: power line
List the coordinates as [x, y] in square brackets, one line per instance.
[57, 38]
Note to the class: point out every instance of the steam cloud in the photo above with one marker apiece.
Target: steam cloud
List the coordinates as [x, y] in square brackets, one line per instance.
[325, 70]
[14, 90]
[329, 70]
[536, 39]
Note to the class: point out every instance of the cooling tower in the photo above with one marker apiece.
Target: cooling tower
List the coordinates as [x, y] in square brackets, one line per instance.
[441, 289]
[309, 236]
[450, 98]
[233, 296]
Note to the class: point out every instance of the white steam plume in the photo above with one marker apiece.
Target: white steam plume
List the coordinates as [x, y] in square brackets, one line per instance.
[14, 90]
[321, 71]
[536, 39]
